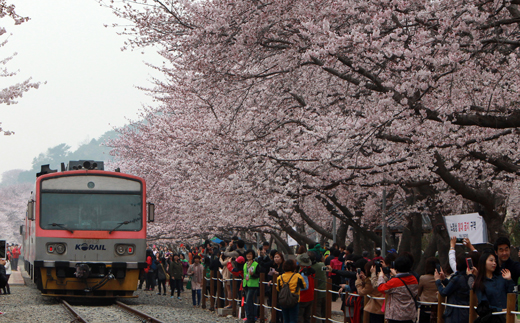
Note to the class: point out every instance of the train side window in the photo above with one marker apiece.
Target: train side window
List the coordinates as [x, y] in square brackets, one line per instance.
[151, 212]
[30, 210]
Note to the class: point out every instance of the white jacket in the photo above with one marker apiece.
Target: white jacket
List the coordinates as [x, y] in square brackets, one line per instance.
[8, 267]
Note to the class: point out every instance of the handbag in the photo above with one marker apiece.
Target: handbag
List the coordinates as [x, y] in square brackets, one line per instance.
[167, 275]
[188, 285]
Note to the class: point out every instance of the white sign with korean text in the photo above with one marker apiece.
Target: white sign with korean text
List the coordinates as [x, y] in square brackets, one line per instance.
[470, 226]
[290, 241]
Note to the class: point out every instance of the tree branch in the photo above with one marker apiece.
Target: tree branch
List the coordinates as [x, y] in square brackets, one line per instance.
[500, 162]
[313, 224]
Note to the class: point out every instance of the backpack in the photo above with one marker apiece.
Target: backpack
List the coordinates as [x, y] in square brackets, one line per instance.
[286, 298]
[153, 266]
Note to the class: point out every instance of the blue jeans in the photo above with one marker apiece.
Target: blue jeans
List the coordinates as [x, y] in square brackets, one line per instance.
[197, 292]
[290, 315]
[251, 293]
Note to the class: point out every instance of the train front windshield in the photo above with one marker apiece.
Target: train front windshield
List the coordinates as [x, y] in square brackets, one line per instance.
[111, 212]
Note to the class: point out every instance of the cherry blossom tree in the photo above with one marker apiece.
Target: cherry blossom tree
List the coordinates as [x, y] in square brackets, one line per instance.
[9, 94]
[13, 203]
[274, 114]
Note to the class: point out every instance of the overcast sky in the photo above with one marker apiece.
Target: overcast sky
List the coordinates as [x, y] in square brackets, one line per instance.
[91, 83]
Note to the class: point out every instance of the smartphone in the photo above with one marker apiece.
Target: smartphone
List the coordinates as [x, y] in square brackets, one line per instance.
[469, 262]
[324, 268]
[438, 266]
[359, 271]
[393, 264]
[459, 240]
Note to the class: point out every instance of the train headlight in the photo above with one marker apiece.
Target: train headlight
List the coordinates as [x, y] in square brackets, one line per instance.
[60, 248]
[125, 249]
[120, 249]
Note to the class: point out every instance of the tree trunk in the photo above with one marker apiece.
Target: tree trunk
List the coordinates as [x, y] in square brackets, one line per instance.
[282, 244]
[416, 239]
[341, 233]
[406, 237]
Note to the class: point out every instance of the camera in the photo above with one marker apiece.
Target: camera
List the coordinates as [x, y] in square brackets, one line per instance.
[378, 266]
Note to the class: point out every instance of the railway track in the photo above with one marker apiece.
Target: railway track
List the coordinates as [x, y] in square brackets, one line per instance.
[119, 311]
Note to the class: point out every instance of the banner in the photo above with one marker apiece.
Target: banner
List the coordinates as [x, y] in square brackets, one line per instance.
[470, 226]
[290, 241]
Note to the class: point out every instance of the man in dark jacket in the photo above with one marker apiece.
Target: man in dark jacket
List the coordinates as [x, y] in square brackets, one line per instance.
[175, 272]
[503, 250]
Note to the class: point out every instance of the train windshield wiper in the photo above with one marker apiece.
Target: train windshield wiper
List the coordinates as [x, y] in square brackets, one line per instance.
[61, 226]
[123, 223]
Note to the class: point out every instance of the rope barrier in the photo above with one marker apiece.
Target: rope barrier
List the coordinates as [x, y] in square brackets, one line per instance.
[372, 297]
[454, 305]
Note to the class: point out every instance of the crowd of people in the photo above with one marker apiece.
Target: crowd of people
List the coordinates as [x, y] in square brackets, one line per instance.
[409, 297]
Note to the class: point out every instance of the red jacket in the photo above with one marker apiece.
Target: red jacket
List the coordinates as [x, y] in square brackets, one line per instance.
[16, 252]
[149, 262]
[335, 264]
[308, 294]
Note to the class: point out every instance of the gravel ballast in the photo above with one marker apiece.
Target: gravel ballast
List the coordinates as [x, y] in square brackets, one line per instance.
[25, 304]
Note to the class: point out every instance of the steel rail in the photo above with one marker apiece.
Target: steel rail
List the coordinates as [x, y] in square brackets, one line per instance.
[129, 309]
[77, 317]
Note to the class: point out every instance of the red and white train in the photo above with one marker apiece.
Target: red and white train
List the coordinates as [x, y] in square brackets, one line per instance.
[85, 231]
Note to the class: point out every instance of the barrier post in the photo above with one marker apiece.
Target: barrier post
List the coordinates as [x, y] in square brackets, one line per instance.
[211, 291]
[366, 315]
[314, 306]
[234, 295]
[511, 306]
[274, 298]
[261, 298]
[204, 288]
[219, 289]
[472, 304]
[328, 301]
[345, 319]
[440, 308]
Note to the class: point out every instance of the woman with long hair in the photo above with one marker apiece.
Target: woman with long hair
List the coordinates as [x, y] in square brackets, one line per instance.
[492, 285]
[366, 286]
[456, 290]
